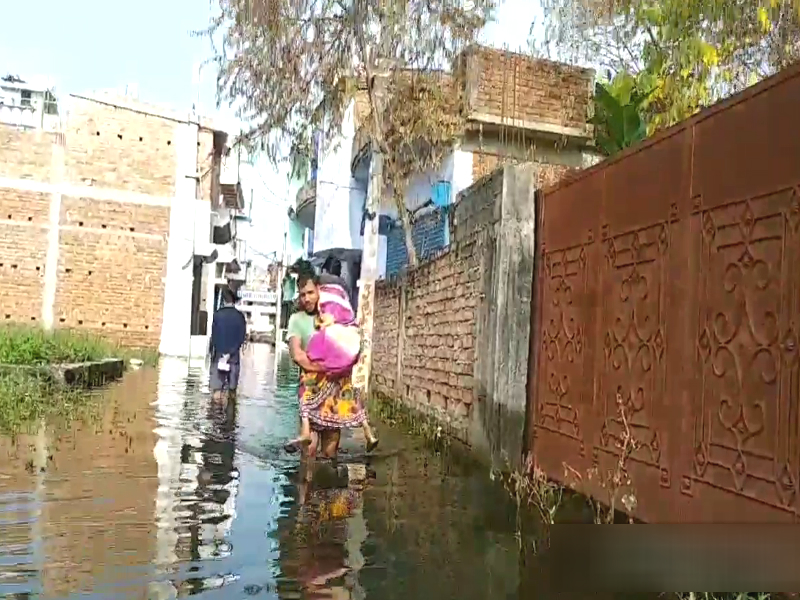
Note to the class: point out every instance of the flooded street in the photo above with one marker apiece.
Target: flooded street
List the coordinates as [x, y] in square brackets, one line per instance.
[165, 496]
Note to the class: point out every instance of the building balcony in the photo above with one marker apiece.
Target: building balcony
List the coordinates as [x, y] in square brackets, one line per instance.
[28, 117]
[306, 203]
[226, 253]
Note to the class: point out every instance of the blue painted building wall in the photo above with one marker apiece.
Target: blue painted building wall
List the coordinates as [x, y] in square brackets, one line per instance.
[429, 234]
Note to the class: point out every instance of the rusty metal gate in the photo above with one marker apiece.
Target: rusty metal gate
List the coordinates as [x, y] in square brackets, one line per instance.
[669, 280]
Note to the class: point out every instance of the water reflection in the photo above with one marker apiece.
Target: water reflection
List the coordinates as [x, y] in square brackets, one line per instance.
[170, 495]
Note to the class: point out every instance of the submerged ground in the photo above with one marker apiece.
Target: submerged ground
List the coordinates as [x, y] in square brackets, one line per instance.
[161, 496]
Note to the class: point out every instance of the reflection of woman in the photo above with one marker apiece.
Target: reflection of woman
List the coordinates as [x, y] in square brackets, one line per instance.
[326, 502]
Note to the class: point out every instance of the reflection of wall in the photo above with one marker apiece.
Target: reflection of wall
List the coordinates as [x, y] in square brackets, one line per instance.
[167, 452]
[449, 527]
[196, 501]
[18, 507]
[99, 490]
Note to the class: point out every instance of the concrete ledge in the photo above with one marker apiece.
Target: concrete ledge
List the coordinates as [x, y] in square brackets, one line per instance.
[85, 374]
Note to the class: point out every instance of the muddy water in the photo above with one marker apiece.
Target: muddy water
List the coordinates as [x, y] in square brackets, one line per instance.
[164, 496]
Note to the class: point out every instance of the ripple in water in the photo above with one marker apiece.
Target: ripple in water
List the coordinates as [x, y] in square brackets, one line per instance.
[168, 495]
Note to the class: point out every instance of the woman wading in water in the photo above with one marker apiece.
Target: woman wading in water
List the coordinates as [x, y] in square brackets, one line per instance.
[323, 342]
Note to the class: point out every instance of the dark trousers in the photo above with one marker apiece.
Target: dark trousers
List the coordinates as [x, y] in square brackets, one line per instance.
[224, 380]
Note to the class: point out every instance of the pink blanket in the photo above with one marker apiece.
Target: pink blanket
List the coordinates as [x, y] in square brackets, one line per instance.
[337, 346]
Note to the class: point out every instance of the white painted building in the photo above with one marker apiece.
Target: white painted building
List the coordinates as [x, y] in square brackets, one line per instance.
[336, 197]
[28, 104]
[219, 257]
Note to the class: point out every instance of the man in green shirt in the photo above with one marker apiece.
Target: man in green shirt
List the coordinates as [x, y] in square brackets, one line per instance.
[301, 326]
[329, 401]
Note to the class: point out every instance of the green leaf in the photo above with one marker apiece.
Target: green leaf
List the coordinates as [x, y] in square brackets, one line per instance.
[608, 146]
[622, 87]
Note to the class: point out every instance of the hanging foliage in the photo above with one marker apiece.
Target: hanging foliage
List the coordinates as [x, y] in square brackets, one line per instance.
[689, 54]
[292, 68]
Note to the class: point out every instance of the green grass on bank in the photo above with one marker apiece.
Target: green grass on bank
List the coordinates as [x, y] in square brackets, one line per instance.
[26, 397]
[33, 346]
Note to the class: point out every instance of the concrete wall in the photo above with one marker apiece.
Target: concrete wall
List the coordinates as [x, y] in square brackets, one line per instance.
[95, 219]
[451, 337]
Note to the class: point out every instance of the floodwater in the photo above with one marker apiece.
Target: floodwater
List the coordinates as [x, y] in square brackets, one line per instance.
[163, 496]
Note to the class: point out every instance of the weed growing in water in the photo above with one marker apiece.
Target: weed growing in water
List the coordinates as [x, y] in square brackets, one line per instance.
[531, 487]
[413, 422]
[615, 482]
[26, 399]
[27, 396]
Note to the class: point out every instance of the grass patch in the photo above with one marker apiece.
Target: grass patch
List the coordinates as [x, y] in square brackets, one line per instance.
[26, 399]
[33, 346]
[396, 414]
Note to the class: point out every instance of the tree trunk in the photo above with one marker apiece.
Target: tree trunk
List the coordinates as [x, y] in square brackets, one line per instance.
[408, 229]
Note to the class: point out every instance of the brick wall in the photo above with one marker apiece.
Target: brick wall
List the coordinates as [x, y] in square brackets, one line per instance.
[386, 336]
[24, 218]
[484, 163]
[111, 269]
[429, 317]
[120, 149]
[25, 154]
[113, 239]
[515, 86]
[450, 336]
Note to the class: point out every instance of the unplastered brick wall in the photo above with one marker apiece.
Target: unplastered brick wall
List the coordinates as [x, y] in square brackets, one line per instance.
[24, 218]
[551, 174]
[118, 148]
[484, 163]
[509, 85]
[426, 321]
[25, 154]
[111, 268]
[113, 238]
[386, 335]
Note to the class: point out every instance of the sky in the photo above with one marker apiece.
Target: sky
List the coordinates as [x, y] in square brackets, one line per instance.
[84, 45]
